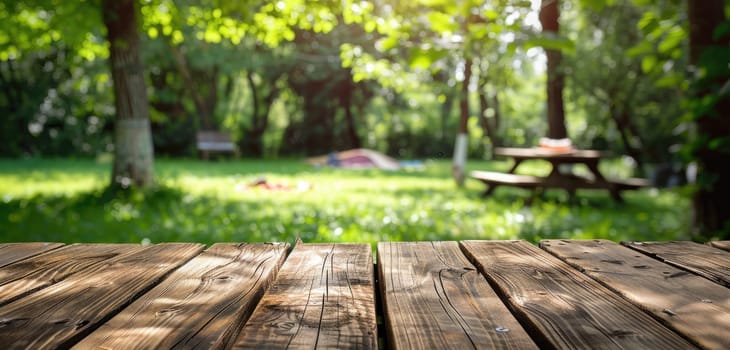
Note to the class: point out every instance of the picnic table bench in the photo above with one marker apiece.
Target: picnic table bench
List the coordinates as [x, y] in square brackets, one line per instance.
[557, 178]
[417, 295]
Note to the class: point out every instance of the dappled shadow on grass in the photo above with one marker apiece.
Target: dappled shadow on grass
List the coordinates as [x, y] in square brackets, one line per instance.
[644, 216]
[100, 215]
[161, 214]
[227, 168]
[405, 212]
[433, 168]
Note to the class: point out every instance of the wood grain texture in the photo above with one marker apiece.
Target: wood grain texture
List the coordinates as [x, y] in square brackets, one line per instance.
[12, 252]
[724, 245]
[323, 298]
[680, 299]
[29, 275]
[433, 298]
[60, 315]
[203, 304]
[564, 308]
[701, 259]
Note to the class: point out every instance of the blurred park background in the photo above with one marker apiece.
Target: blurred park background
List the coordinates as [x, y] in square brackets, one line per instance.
[101, 102]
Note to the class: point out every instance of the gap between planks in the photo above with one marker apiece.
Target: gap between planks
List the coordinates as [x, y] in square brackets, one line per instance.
[323, 297]
[568, 309]
[61, 314]
[646, 281]
[12, 252]
[374, 287]
[434, 298]
[39, 271]
[700, 259]
[202, 304]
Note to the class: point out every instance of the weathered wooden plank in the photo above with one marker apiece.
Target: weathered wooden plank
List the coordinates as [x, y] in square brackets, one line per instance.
[29, 275]
[12, 252]
[60, 315]
[680, 299]
[203, 304]
[433, 298]
[724, 245]
[701, 259]
[566, 309]
[322, 298]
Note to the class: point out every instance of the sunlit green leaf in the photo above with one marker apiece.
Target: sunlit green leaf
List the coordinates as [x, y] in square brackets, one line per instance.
[441, 22]
[670, 80]
[673, 39]
[642, 48]
[424, 58]
[560, 44]
[648, 63]
[648, 22]
[490, 14]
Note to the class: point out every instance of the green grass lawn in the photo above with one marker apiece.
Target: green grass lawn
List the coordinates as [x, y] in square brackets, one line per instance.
[64, 201]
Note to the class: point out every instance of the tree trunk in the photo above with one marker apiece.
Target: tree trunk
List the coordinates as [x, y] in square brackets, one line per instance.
[16, 124]
[711, 217]
[133, 155]
[497, 114]
[346, 103]
[192, 87]
[446, 108]
[624, 126]
[460, 149]
[549, 15]
[12, 97]
[489, 125]
[252, 142]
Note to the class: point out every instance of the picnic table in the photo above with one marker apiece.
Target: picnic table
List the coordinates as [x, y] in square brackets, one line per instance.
[558, 177]
[564, 294]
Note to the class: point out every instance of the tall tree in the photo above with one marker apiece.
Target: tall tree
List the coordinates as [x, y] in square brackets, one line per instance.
[133, 156]
[638, 113]
[328, 94]
[489, 124]
[549, 16]
[203, 90]
[458, 167]
[263, 95]
[710, 108]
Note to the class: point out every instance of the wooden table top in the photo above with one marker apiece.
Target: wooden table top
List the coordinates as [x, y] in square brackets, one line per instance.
[547, 154]
[572, 294]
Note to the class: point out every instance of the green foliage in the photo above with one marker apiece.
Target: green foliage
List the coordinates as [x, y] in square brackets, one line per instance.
[631, 88]
[61, 200]
[560, 44]
[54, 92]
[54, 103]
[29, 26]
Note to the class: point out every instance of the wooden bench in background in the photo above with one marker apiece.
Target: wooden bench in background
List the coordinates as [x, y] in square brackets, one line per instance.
[494, 179]
[211, 141]
[630, 183]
